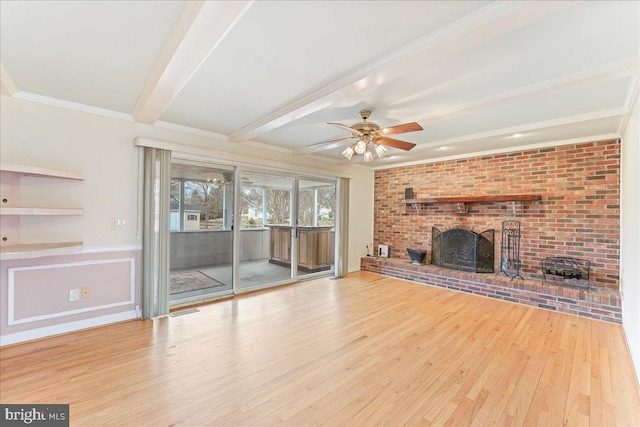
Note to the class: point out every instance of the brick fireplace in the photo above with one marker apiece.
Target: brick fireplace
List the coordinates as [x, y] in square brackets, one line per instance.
[576, 214]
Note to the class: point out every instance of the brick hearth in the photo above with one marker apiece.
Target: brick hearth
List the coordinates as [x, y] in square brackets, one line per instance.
[599, 303]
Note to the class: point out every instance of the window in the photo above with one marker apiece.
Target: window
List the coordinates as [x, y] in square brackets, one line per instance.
[202, 203]
[316, 204]
[255, 199]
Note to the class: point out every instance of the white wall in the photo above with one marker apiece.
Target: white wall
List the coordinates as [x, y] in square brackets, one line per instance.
[101, 148]
[630, 235]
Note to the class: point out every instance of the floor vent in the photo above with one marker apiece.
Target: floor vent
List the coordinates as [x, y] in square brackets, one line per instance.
[183, 312]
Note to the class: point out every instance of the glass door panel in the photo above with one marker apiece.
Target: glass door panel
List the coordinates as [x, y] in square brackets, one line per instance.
[316, 226]
[266, 239]
[201, 236]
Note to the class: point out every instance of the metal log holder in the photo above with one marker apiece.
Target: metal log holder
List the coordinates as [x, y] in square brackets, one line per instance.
[566, 271]
[510, 249]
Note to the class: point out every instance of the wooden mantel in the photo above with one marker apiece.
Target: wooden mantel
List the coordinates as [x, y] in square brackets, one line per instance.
[473, 199]
[461, 201]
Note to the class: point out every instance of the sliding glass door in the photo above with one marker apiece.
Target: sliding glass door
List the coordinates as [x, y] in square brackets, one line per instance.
[201, 231]
[316, 222]
[286, 229]
[266, 236]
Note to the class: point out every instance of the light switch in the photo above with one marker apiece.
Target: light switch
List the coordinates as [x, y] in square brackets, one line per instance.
[118, 224]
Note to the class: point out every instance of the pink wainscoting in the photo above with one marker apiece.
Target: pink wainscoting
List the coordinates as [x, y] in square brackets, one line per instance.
[35, 293]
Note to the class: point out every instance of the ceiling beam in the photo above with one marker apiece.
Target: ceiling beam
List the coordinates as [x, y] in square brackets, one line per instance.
[614, 113]
[485, 24]
[617, 70]
[620, 69]
[7, 86]
[201, 27]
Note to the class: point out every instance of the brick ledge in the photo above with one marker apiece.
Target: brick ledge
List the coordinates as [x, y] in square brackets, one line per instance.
[598, 303]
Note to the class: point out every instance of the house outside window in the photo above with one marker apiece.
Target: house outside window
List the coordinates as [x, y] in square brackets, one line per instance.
[201, 204]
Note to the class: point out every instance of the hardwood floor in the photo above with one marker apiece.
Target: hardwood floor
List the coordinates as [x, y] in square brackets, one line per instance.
[363, 350]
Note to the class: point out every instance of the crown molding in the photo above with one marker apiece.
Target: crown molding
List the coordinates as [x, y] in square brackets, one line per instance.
[630, 100]
[72, 105]
[528, 128]
[514, 149]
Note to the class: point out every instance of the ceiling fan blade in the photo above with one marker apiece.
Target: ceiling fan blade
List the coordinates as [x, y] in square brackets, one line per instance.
[403, 145]
[394, 130]
[347, 128]
[323, 143]
[321, 146]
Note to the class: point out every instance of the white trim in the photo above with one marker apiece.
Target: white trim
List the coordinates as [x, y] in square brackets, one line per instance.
[73, 105]
[180, 29]
[7, 86]
[68, 251]
[105, 249]
[528, 128]
[515, 149]
[64, 328]
[193, 131]
[629, 102]
[11, 287]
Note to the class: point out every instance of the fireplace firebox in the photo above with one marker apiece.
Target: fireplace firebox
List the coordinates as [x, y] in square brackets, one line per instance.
[461, 249]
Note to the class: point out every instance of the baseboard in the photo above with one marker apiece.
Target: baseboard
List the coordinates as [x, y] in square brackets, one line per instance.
[635, 358]
[63, 328]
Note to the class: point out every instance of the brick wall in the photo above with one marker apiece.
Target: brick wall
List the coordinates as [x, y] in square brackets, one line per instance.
[578, 215]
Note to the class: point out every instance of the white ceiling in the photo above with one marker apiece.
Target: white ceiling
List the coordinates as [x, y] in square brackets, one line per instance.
[273, 73]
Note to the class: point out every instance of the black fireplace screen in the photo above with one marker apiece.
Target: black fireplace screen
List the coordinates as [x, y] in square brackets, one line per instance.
[460, 249]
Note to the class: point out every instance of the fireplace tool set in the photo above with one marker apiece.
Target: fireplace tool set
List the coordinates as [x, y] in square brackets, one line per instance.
[510, 249]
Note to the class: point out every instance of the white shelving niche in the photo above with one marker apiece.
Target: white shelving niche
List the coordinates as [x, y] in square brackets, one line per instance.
[11, 211]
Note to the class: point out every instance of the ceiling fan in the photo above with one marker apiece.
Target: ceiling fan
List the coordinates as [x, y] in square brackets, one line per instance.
[368, 132]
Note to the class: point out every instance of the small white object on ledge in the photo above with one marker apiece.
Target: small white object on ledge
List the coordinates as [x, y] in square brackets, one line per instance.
[383, 251]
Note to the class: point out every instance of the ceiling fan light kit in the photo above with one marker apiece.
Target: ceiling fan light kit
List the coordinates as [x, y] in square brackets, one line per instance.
[367, 132]
[360, 147]
[348, 153]
[368, 157]
[381, 150]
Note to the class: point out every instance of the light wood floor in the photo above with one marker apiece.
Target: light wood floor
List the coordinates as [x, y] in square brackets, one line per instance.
[363, 350]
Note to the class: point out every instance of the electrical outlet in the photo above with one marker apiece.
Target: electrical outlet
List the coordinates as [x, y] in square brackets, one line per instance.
[74, 294]
[85, 293]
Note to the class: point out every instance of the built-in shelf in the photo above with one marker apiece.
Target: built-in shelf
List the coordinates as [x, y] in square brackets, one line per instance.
[36, 250]
[41, 211]
[38, 171]
[460, 202]
[11, 211]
